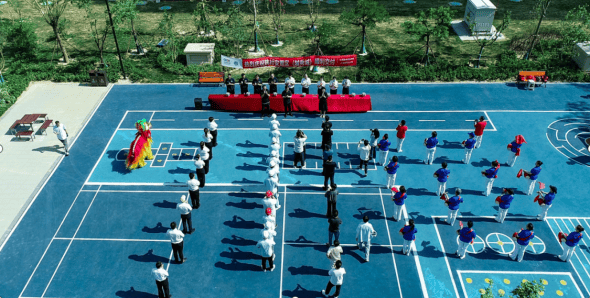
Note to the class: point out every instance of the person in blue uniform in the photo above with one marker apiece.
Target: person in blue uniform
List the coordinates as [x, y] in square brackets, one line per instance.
[491, 174]
[231, 84]
[391, 169]
[272, 84]
[398, 199]
[466, 237]
[453, 204]
[504, 204]
[547, 201]
[408, 232]
[522, 241]
[442, 175]
[243, 81]
[571, 241]
[430, 144]
[384, 149]
[469, 144]
[514, 149]
[532, 176]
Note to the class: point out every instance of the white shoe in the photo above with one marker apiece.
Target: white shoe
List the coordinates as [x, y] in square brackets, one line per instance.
[273, 267]
[324, 293]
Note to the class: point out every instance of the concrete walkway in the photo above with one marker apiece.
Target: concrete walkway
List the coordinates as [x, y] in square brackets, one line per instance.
[25, 165]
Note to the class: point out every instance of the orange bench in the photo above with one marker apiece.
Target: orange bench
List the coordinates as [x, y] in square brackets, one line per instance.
[539, 77]
[213, 77]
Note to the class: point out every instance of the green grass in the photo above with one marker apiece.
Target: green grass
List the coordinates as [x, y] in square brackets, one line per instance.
[388, 39]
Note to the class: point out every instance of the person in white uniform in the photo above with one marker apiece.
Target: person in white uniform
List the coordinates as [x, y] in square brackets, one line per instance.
[269, 218]
[336, 277]
[364, 234]
[193, 190]
[305, 83]
[185, 214]
[204, 152]
[272, 183]
[177, 241]
[274, 145]
[346, 83]
[208, 139]
[161, 276]
[270, 201]
[62, 135]
[273, 170]
[364, 149]
[334, 253]
[333, 86]
[200, 169]
[273, 121]
[213, 130]
[299, 149]
[266, 247]
[290, 83]
[270, 228]
[274, 156]
[321, 85]
[275, 133]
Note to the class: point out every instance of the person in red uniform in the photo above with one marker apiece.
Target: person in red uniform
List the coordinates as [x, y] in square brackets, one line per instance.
[401, 134]
[479, 125]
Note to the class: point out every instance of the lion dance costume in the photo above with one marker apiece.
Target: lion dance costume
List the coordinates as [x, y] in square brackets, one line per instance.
[141, 147]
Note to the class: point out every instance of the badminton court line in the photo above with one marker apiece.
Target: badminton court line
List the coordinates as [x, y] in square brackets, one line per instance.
[110, 239]
[283, 240]
[391, 245]
[442, 247]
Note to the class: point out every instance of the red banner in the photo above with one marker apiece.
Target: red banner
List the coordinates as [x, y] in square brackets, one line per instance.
[344, 60]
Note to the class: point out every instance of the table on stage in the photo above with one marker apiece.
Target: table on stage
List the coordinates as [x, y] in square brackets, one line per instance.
[308, 103]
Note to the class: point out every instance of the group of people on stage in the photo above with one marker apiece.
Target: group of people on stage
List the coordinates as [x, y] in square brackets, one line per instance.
[290, 82]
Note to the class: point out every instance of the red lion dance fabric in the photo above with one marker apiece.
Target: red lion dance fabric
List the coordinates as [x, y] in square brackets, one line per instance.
[141, 147]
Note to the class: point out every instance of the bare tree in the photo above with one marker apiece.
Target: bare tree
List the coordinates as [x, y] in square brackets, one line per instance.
[52, 14]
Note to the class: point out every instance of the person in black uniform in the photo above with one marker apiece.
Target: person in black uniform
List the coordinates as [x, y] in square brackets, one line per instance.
[257, 83]
[272, 83]
[287, 101]
[265, 102]
[329, 170]
[243, 81]
[230, 83]
[327, 136]
[323, 103]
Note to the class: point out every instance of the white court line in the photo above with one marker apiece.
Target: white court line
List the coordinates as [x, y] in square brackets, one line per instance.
[162, 120]
[50, 242]
[283, 241]
[342, 121]
[249, 119]
[490, 119]
[516, 272]
[432, 120]
[386, 120]
[205, 119]
[391, 245]
[286, 129]
[345, 245]
[152, 116]
[294, 119]
[572, 263]
[70, 244]
[566, 217]
[111, 239]
[582, 253]
[107, 146]
[462, 284]
[55, 168]
[442, 247]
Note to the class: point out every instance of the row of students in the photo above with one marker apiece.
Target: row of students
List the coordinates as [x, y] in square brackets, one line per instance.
[289, 84]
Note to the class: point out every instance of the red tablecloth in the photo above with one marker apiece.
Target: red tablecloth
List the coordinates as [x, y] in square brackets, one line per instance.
[308, 103]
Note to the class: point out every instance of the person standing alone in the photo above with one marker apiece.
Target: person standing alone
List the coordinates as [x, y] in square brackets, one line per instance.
[336, 278]
[364, 233]
[364, 150]
[401, 135]
[430, 144]
[62, 135]
[480, 126]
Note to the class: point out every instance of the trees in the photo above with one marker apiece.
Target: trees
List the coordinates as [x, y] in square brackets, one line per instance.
[314, 12]
[575, 28]
[233, 29]
[276, 9]
[433, 22]
[125, 11]
[484, 42]
[366, 14]
[99, 26]
[540, 9]
[202, 18]
[52, 14]
[166, 28]
[321, 35]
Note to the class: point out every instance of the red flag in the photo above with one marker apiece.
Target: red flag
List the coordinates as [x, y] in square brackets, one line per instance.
[461, 224]
[519, 173]
[394, 189]
[541, 185]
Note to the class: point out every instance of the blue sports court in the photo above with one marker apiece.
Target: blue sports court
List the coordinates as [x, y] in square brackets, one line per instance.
[96, 230]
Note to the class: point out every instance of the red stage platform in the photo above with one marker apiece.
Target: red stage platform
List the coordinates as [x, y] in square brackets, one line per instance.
[308, 103]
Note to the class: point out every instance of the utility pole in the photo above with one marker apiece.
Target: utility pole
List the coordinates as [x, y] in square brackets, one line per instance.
[116, 42]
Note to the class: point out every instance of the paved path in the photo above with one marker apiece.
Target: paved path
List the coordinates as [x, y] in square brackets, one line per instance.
[24, 165]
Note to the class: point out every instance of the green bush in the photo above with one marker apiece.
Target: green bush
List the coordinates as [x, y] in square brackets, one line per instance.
[21, 37]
